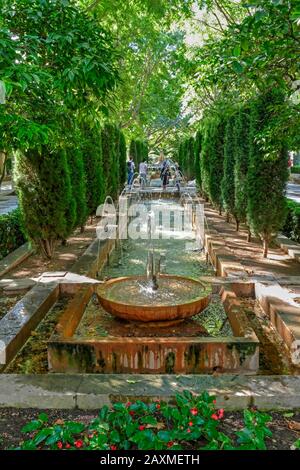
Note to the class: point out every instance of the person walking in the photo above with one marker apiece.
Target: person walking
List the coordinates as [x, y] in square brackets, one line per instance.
[165, 174]
[130, 170]
[143, 169]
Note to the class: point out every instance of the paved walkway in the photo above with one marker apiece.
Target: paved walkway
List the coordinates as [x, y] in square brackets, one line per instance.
[249, 255]
[293, 191]
[8, 201]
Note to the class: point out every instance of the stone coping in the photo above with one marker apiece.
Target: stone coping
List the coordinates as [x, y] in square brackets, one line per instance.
[90, 391]
[15, 258]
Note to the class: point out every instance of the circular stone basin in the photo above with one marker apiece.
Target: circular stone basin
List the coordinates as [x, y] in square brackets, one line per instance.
[132, 298]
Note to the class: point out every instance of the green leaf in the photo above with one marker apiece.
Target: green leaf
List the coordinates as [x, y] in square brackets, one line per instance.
[237, 50]
[237, 67]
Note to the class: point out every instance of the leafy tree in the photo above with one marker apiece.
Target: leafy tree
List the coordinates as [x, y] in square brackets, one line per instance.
[268, 171]
[45, 196]
[227, 186]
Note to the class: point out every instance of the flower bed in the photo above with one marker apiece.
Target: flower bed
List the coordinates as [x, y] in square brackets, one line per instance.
[193, 422]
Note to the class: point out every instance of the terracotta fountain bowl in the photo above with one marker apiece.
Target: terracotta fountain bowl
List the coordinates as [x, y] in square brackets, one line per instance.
[166, 313]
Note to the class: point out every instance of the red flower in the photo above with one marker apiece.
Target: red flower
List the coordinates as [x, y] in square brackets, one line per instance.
[141, 427]
[215, 417]
[191, 423]
[194, 411]
[221, 413]
[128, 404]
[68, 445]
[113, 447]
[214, 402]
[188, 430]
[158, 406]
[131, 413]
[78, 443]
[60, 445]
[170, 444]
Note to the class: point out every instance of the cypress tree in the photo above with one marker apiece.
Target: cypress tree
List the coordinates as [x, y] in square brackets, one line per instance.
[227, 186]
[268, 170]
[45, 196]
[78, 183]
[190, 157]
[215, 158]
[122, 159]
[91, 148]
[206, 151]
[241, 144]
[133, 151]
[110, 159]
[197, 151]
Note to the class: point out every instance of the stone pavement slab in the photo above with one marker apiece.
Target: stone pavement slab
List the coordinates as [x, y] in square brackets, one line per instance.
[90, 391]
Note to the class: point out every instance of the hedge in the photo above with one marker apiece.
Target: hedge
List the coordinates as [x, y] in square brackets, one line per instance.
[11, 232]
[291, 228]
[295, 169]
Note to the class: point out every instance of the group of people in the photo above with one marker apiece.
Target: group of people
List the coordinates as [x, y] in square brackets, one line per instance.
[165, 173]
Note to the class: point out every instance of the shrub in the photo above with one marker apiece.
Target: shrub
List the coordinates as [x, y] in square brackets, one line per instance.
[295, 169]
[192, 423]
[11, 232]
[268, 169]
[291, 227]
[45, 196]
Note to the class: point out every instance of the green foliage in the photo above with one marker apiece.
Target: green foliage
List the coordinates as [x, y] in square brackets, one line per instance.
[193, 422]
[197, 151]
[11, 232]
[110, 143]
[138, 150]
[45, 196]
[78, 184]
[291, 226]
[91, 148]
[268, 169]
[241, 151]
[122, 159]
[68, 62]
[295, 169]
[212, 160]
[227, 185]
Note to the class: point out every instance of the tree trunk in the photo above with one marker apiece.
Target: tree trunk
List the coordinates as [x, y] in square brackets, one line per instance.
[47, 248]
[237, 223]
[227, 217]
[249, 236]
[265, 248]
[2, 174]
[82, 228]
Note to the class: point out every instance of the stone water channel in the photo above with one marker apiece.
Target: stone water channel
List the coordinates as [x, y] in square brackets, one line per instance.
[218, 335]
